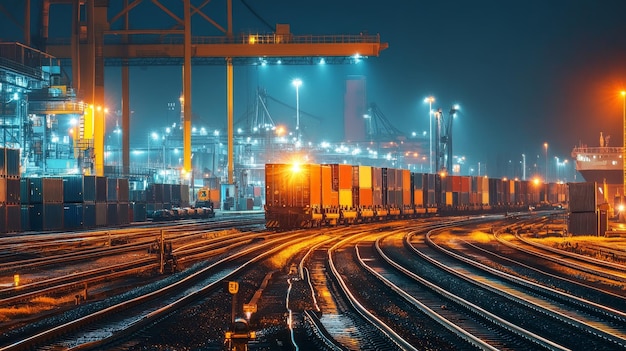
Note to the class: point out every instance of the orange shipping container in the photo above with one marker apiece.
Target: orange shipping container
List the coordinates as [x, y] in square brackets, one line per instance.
[406, 187]
[418, 195]
[465, 184]
[345, 176]
[365, 197]
[315, 186]
[448, 198]
[334, 199]
[326, 186]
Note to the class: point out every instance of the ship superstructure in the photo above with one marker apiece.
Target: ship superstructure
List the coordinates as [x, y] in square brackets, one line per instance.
[601, 164]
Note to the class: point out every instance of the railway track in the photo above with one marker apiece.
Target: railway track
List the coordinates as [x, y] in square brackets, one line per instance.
[569, 324]
[348, 291]
[477, 326]
[135, 310]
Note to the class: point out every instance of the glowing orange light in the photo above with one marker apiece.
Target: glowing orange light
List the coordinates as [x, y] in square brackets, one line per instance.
[295, 168]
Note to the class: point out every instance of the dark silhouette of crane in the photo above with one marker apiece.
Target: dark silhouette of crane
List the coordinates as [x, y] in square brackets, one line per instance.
[379, 128]
[443, 137]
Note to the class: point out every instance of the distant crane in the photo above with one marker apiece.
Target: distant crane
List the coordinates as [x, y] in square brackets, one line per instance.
[259, 118]
[443, 137]
[379, 128]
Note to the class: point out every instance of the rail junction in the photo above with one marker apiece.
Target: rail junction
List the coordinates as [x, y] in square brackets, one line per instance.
[484, 282]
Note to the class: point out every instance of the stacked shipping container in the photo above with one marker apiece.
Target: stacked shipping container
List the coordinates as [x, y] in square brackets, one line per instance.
[79, 202]
[584, 219]
[43, 200]
[10, 204]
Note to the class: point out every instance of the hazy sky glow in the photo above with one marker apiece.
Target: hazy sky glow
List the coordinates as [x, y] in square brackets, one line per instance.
[523, 72]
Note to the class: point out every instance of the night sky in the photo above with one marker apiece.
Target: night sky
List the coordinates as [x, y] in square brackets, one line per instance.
[523, 72]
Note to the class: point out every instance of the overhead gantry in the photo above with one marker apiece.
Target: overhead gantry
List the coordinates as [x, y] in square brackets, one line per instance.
[98, 40]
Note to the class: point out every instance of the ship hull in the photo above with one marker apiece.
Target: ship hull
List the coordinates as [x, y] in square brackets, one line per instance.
[602, 176]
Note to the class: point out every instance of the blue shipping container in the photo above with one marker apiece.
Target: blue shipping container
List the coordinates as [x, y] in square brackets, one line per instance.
[89, 215]
[139, 212]
[25, 218]
[46, 216]
[72, 215]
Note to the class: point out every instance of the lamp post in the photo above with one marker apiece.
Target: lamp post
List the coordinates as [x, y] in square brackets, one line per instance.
[624, 146]
[545, 146]
[297, 83]
[430, 101]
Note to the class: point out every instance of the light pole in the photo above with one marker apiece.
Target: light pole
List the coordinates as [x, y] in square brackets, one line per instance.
[545, 195]
[297, 83]
[545, 146]
[430, 101]
[523, 167]
[624, 146]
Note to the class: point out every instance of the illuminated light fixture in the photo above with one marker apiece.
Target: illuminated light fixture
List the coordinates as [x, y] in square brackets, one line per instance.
[295, 168]
[322, 61]
[252, 39]
[279, 62]
[357, 58]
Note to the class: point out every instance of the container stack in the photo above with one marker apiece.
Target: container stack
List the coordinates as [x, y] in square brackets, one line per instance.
[118, 194]
[405, 189]
[557, 193]
[138, 210]
[43, 198]
[112, 202]
[377, 186]
[79, 198]
[101, 201]
[10, 204]
[167, 196]
[496, 189]
[176, 192]
[342, 183]
[123, 197]
[362, 186]
[479, 196]
[418, 189]
[154, 197]
[583, 217]
[432, 187]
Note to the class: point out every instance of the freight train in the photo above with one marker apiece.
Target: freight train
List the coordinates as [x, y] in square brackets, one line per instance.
[316, 195]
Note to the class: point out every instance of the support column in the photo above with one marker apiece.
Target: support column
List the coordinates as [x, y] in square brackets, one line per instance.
[229, 102]
[187, 91]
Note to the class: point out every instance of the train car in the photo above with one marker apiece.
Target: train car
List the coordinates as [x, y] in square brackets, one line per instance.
[314, 195]
[293, 195]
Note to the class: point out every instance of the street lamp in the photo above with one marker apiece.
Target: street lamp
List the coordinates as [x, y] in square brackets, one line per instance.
[297, 83]
[624, 146]
[545, 195]
[545, 146]
[430, 101]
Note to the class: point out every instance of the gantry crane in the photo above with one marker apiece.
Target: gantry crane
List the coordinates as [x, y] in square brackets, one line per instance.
[98, 39]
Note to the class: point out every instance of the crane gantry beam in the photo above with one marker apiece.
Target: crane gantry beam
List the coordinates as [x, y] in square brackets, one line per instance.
[301, 46]
[94, 44]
